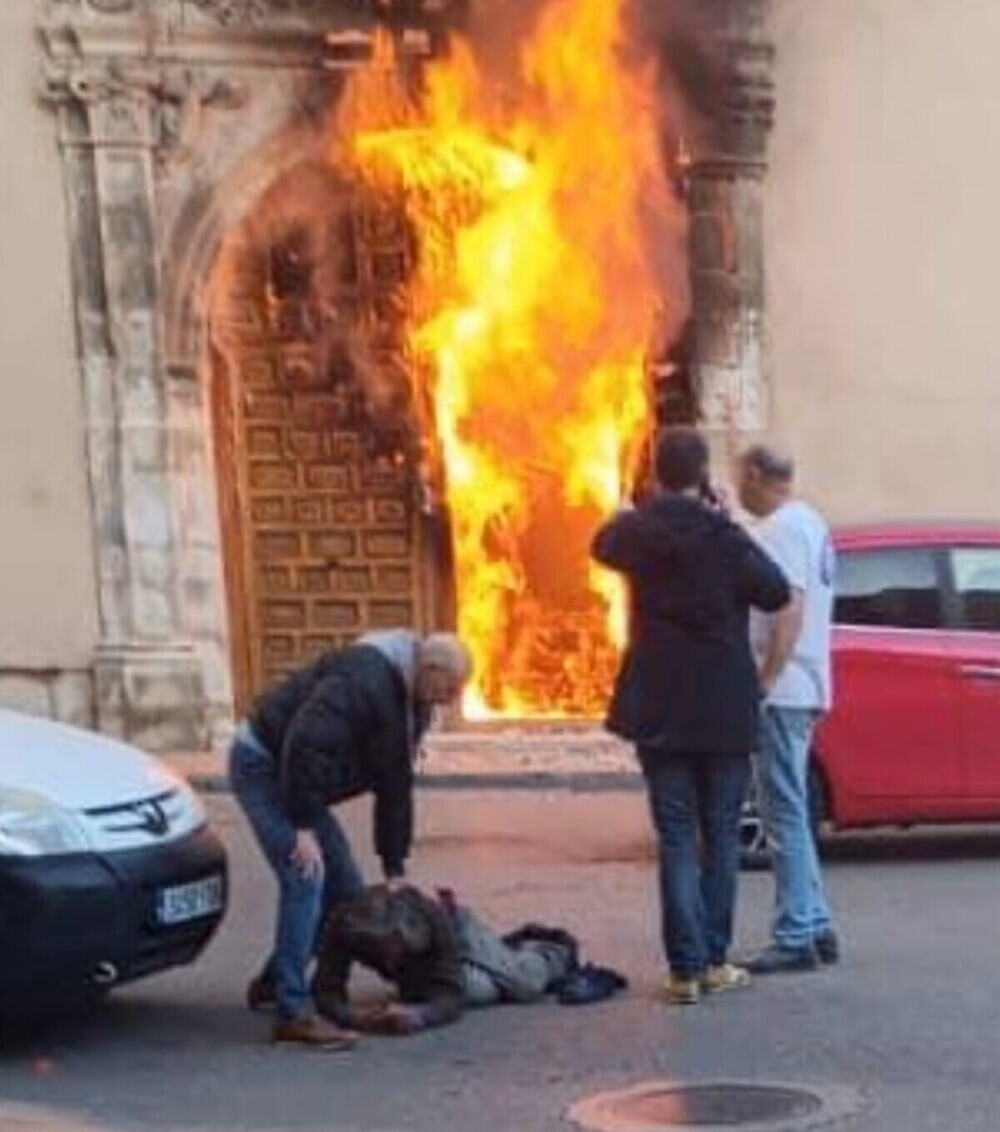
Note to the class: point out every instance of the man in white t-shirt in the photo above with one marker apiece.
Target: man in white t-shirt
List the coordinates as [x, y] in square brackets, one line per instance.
[792, 648]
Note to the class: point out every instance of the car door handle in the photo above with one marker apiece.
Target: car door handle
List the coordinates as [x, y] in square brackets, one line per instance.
[980, 671]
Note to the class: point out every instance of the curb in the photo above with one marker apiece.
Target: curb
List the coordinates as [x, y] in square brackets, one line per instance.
[541, 781]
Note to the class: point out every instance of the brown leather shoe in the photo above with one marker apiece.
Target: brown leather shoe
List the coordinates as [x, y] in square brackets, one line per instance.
[312, 1030]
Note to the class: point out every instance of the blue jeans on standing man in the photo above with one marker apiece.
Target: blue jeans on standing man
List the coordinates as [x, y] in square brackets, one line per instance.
[696, 802]
[801, 909]
[302, 900]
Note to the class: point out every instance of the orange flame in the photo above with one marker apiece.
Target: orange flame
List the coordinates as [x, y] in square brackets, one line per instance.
[529, 311]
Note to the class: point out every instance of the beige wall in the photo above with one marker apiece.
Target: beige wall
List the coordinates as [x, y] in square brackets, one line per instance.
[883, 254]
[47, 586]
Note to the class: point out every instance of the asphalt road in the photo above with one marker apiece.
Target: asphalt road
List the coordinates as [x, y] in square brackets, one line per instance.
[910, 1020]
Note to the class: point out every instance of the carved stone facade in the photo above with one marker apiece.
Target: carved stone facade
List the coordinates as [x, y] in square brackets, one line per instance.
[174, 118]
[725, 201]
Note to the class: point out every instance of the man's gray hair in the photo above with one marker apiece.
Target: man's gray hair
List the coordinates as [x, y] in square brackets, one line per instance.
[770, 463]
[445, 650]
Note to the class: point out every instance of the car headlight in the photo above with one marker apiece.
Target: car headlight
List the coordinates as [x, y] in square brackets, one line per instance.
[194, 806]
[31, 825]
[186, 808]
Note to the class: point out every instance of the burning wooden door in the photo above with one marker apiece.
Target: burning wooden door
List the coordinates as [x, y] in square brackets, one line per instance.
[315, 442]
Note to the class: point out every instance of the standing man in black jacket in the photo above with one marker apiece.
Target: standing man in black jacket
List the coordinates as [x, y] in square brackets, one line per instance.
[351, 723]
[687, 695]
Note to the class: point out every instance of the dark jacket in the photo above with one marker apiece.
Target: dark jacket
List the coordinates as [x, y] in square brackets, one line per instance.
[688, 681]
[340, 728]
[430, 972]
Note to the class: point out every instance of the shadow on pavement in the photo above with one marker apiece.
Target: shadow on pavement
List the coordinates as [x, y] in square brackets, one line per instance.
[881, 846]
[919, 846]
[158, 1022]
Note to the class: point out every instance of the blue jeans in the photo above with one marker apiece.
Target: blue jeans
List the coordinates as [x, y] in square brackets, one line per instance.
[801, 909]
[695, 802]
[302, 901]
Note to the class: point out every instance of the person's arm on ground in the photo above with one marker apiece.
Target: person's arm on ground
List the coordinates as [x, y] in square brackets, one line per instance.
[402, 1019]
[441, 990]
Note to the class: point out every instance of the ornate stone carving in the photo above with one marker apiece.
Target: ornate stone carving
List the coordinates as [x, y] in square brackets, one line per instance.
[152, 106]
[118, 103]
[114, 7]
[182, 96]
[235, 12]
[82, 82]
[159, 671]
[747, 110]
[95, 17]
[725, 202]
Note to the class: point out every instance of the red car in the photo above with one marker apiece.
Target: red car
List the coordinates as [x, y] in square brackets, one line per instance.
[915, 731]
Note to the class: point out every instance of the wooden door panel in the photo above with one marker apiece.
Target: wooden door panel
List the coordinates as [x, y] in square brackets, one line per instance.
[320, 514]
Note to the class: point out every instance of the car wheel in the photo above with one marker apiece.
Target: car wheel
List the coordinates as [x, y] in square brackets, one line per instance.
[754, 851]
[818, 808]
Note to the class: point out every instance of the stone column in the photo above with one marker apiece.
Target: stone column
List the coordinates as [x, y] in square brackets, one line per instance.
[726, 231]
[148, 677]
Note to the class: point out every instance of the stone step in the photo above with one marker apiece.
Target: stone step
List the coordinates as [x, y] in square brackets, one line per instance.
[578, 757]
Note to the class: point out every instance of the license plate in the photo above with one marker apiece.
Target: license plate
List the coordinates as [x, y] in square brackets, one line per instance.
[184, 902]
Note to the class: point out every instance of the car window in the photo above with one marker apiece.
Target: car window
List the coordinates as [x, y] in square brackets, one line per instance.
[897, 588]
[976, 571]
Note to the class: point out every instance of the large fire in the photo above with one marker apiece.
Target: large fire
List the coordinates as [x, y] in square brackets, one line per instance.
[528, 317]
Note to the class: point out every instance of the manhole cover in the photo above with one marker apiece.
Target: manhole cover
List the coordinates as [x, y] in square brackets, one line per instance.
[663, 1105]
[29, 1118]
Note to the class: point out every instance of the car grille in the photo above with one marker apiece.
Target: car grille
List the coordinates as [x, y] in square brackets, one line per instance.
[147, 821]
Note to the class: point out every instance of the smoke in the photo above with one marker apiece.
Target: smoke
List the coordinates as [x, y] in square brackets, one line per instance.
[677, 41]
[680, 37]
[677, 38]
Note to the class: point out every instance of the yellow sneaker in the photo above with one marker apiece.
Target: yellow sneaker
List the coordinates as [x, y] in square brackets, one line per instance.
[725, 977]
[682, 991]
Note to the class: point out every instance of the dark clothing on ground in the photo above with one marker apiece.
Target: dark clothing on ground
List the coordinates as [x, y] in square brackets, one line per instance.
[688, 681]
[342, 727]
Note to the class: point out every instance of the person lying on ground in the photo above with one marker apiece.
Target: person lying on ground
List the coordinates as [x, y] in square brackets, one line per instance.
[437, 953]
